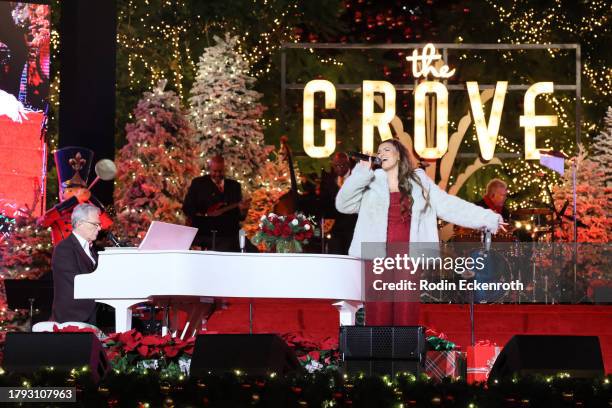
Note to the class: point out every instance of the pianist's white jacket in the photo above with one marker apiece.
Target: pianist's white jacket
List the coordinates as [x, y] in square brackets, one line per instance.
[366, 192]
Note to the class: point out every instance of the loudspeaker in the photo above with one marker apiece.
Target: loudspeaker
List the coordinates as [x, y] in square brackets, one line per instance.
[254, 354]
[30, 352]
[382, 342]
[580, 356]
[382, 367]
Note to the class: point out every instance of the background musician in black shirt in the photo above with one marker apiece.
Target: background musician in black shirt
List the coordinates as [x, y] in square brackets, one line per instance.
[214, 205]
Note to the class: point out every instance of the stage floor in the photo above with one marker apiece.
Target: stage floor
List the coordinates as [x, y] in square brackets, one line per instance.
[497, 323]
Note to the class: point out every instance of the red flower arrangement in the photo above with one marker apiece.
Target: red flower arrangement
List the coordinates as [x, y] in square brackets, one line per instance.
[314, 353]
[150, 346]
[285, 233]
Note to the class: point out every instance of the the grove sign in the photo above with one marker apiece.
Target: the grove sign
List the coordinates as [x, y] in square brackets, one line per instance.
[423, 66]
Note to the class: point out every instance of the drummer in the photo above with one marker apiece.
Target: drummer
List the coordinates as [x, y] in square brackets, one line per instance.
[495, 198]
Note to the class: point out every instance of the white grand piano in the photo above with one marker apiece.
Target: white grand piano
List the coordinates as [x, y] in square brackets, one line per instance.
[127, 276]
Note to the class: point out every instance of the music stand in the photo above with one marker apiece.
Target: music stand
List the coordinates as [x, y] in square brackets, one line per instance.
[27, 293]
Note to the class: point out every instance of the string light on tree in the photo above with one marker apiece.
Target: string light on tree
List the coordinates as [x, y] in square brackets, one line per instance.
[153, 175]
[226, 114]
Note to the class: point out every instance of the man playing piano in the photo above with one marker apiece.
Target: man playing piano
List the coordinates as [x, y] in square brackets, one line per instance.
[214, 205]
[71, 257]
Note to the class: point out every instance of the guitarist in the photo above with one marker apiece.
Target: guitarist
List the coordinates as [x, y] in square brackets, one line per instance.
[214, 205]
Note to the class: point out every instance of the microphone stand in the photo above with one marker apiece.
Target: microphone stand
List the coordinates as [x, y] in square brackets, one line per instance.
[487, 248]
[214, 239]
[113, 239]
[242, 242]
[323, 235]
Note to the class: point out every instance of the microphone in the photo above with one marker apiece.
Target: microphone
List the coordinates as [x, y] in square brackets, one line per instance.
[112, 238]
[241, 239]
[360, 156]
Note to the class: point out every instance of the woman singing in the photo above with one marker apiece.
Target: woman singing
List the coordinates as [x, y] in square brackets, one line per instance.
[401, 204]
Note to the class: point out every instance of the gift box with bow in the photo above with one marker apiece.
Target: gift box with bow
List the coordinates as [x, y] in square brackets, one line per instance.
[440, 364]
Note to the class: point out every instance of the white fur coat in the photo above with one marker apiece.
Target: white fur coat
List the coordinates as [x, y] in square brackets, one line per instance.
[366, 192]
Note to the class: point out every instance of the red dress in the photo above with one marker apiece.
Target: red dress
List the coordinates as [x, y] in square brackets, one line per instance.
[394, 313]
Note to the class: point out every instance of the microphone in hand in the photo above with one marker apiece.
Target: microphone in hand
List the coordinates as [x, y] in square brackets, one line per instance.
[360, 156]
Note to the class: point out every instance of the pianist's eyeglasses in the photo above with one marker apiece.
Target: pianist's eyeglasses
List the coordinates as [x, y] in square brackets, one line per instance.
[95, 224]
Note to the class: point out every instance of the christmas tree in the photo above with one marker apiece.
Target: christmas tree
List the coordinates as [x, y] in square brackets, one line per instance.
[274, 181]
[157, 164]
[602, 149]
[593, 203]
[226, 112]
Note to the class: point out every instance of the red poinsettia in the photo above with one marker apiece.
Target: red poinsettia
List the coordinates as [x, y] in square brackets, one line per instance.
[285, 232]
[149, 346]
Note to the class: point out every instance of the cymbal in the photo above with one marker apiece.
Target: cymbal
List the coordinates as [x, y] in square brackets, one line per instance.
[532, 211]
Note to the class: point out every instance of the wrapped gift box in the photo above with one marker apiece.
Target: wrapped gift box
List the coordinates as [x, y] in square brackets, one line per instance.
[480, 360]
[440, 364]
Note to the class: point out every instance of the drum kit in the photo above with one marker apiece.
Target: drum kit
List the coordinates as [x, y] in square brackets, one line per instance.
[526, 225]
[506, 258]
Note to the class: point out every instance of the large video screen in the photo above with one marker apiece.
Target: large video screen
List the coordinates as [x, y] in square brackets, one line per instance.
[25, 33]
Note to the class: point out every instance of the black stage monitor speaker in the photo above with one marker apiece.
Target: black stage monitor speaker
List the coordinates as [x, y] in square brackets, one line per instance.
[254, 354]
[375, 350]
[382, 342]
[580, 356]
[30, 352]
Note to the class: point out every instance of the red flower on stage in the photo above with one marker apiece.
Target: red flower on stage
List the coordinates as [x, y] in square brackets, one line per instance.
[152, 340]
[285, 233]
[134, 344]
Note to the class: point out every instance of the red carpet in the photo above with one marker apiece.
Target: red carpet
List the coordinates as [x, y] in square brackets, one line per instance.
[497, 323]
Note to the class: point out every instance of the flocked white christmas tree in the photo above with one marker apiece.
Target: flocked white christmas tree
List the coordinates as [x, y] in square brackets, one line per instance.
[601, 148]
[157, 164]
[225, 112]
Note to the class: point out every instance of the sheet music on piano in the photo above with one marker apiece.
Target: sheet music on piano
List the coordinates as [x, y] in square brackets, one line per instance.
[163, 235]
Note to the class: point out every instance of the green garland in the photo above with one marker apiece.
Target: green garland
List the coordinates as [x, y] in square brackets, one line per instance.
[148, 388]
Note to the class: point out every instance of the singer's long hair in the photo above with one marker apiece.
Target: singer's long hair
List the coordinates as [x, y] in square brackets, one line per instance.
[405, 174]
